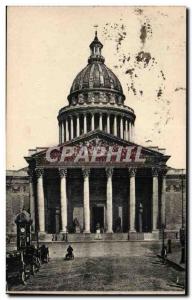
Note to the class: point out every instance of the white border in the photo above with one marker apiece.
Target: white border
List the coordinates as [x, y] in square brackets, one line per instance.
[3, 4]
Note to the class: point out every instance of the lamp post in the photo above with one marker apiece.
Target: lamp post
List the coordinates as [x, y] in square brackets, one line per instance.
[182, 230]
[140, 217]
[163, 240]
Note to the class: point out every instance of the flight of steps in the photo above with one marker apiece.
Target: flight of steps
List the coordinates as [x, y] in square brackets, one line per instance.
[93, 237]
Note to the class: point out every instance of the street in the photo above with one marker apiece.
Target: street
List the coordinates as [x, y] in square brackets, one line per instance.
[136, 268]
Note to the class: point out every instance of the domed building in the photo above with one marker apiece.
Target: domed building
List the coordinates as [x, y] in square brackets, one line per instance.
[97, 176]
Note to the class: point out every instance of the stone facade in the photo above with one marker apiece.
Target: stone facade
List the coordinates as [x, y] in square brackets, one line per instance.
[17, 196]
[17, 185]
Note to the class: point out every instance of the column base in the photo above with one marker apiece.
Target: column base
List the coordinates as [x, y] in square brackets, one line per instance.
[155, 234]
[41, 235]
[109, 231]
[41, 232]
[132, 235]
[86, 231]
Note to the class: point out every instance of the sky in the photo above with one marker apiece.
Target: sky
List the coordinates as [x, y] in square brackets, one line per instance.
[144, 46]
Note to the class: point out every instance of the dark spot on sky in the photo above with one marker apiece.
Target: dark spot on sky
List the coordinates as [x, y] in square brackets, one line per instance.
[180, 89]
[143, 34]
[138, 11]
[163, 75]
[144, 57]
[159, 93]
[130, 71]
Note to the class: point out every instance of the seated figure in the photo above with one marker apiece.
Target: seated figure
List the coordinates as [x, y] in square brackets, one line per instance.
[76, 224]
[69, 254]
[118, 225]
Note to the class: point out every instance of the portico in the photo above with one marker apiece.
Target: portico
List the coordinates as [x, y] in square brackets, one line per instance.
[98, 187]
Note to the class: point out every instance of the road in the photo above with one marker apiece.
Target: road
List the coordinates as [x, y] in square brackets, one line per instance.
[135, 268]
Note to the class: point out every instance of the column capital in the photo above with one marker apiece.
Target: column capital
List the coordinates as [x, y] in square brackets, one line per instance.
[30, 172]
[39, 172]
[163, 171]
[62, 172]
[155, 171]
[86, 172]
[132, 172]
[109, 172]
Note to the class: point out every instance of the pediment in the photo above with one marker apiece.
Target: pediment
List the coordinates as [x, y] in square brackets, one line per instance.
[130, 153]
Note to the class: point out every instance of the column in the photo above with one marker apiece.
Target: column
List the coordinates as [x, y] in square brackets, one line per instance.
[63, 197]
[78, 126]
[86, 204]
[92, 122]
[132, 173]
[84, 123]
[126, 130]
[67, 129]
[115, 125]
[60, 133]
[71, 125]
[108, 123]
[129, 131]
[109, 173]
[100, 122]
[121, 127]
[155, 198]
[163, 221]
[40, 199]
[31, 198]
[133, 133]
[63, 137]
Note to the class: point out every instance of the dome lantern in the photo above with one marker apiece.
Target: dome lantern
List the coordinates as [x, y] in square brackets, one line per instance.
[96, 47]
[96, 83]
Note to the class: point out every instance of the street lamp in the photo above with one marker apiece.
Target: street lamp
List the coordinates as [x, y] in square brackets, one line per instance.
[182, 230]
[163, 240]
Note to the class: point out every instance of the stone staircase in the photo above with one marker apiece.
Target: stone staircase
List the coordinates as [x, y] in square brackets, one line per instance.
[93, 237]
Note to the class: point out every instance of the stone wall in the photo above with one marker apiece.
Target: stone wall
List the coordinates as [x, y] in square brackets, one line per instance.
[174, 201]
[17, 196]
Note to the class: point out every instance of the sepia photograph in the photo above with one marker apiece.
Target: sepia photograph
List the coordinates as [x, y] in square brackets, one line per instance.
[96, 129]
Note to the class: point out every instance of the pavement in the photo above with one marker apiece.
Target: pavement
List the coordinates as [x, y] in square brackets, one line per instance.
[131, 267]
[175, 257]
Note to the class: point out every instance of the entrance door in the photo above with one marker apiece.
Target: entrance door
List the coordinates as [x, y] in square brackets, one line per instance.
[53, 225]
[97, 217]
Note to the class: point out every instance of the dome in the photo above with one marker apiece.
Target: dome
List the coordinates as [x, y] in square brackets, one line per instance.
[96, 75]
[96, 82]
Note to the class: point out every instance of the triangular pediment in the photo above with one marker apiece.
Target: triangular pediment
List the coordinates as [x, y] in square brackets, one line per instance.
[101, 140]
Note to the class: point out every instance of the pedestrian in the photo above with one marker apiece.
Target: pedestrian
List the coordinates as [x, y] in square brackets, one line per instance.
[164, 254]
[169, 250]
[98, 231]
